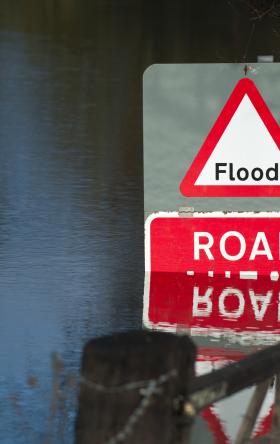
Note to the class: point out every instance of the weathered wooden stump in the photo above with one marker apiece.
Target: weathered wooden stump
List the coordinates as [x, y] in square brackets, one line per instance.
[132, 389]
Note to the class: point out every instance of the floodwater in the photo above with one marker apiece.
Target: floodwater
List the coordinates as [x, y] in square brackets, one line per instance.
[71, 220]
[71, 187]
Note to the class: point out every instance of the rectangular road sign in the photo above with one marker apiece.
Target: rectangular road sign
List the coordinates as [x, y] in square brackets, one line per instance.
[246, 246]
[213, 272]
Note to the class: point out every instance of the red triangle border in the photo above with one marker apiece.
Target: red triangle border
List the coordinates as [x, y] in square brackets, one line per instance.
[188, 187]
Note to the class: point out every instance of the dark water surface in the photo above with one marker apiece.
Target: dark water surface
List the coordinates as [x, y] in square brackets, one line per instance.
[71, 193]
[71, 217]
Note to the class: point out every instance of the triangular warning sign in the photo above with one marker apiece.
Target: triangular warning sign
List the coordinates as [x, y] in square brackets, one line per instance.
[241, 154]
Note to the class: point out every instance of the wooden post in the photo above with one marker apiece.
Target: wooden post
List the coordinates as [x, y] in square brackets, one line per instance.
[132, 389]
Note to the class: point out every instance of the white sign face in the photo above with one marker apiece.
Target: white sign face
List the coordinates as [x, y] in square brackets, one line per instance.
[246, 154]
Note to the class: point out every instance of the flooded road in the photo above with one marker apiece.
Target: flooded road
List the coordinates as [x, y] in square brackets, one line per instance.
[71, 186]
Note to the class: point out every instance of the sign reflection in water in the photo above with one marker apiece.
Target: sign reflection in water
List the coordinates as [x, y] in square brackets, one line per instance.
[243, 309]
[213, 304]
[223, 419]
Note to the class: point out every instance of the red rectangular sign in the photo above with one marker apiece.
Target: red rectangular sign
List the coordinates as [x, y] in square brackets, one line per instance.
[216, 245]
[218, 273]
